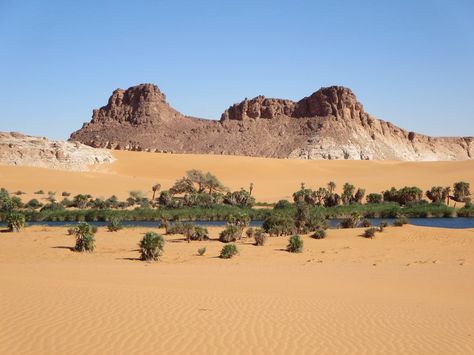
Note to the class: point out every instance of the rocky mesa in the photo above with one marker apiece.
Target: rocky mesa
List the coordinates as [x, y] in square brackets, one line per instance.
[23, 150]
[329, 124]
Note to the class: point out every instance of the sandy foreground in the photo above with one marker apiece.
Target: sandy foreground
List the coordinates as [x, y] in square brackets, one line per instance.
[407, 291]
[274, 179]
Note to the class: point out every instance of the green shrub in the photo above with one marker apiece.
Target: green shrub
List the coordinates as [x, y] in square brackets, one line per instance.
[250, 232]
[202, 251]
[39, 192]
[228, 251]
[230, 234]
[277, 224]
[400, 221]
[65, 194]
[365, 223]
[382, 226]
[315, 223]
[295, 244]
[15, 221]
[282, 204]
[260, 237]
[151, 246]
[319, 234]
[85, 240]
[177, 228]
[350, 222]
[369, 232]
[115, 224]
[198, 233]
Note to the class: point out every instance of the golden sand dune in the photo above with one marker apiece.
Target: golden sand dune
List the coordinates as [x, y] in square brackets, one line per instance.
[407, 291]
[274, 179]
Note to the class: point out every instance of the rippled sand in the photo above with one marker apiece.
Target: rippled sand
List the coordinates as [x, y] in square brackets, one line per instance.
[407, 291]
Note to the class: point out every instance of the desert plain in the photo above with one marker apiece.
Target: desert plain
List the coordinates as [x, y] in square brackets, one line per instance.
[409, 290]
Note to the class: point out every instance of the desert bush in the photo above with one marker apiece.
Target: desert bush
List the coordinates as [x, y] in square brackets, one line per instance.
[301, 216]
[151, 246]
[350, 222]
[33, 203]
[115, 224]
[295, 244]
[198, 233]
[319, 234]
[282, 204]
[201, 251]
[39, 192]
[382, 226]
[400, 221]
[228, 251]
[85, 240]
[15, 221]
[374, 198]
[250, 232]
[230, 234]
[177, 228]
[277, 224]
[365, 223]
[315, 223]
[369, 232]
[260, 237]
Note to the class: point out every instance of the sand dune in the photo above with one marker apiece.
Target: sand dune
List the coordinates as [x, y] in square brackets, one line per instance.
[274, 179]
[407, 291]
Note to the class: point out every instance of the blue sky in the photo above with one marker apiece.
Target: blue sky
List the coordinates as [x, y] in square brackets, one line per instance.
[409, 62]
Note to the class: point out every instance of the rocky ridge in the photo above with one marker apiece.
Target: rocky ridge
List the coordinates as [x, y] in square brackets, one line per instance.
[22, 150]
[329, 124]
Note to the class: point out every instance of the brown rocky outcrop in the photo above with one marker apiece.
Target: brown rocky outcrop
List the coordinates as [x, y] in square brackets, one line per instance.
[329, 124]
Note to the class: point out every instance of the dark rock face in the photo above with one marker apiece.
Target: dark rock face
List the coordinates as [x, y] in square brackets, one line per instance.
[329, 124]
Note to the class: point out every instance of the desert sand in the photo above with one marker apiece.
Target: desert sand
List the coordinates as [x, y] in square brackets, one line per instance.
[274, 179]
[407, 291]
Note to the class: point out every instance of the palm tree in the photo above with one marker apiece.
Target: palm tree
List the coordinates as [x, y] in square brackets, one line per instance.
[331, 186]
[447, 192]
[251, 188]
[155, 188]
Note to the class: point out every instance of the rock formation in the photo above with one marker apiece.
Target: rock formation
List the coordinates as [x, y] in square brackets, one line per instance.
[19, 149]
[329, 124]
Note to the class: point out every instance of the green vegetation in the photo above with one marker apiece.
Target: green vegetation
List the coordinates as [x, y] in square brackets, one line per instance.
[197, 233]
[295, 244]
[85, 240]
[400, 221]
[200, 196]
[230, 234]
[229, 251]
[260, 237]
[15, 221]
[151, 246]
[319, 234]
[201, 251]
[350, 222]
[369, 232]
[115, 224]
[279, 224]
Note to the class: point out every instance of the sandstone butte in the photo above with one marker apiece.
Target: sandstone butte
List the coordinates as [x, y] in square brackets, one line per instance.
[329, 124]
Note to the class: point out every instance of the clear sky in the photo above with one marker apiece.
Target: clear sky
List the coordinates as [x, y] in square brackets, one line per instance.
[409, 62]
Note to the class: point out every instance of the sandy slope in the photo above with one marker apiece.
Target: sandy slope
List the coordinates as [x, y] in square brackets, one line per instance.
[274, 179]
[407, 291]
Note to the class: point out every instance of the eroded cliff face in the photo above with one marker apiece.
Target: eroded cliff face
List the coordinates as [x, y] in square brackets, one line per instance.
[22, 150]
[329, 124]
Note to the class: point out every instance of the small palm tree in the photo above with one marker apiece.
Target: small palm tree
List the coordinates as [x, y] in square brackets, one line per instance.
[331, 186]
[155, 188]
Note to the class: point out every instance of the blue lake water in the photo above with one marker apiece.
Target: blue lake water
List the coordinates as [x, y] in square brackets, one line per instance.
[456, 223]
